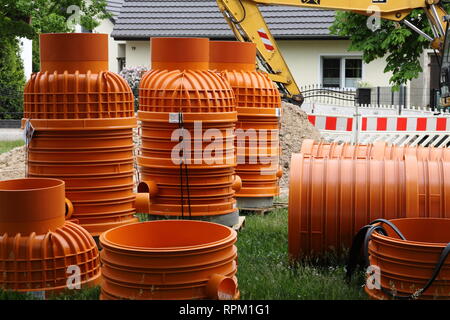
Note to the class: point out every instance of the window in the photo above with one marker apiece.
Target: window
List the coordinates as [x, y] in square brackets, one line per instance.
[341, 72]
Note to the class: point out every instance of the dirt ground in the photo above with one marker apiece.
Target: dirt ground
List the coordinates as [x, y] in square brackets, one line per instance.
[12, 164]
[295, 127]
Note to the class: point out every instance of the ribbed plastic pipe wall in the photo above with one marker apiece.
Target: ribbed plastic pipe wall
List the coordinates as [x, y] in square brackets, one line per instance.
[331, 199]
[83, 116]
[407, 265]
[257, 130]
[169, 259]
[179, 97]
[378, 150]
[39, 251]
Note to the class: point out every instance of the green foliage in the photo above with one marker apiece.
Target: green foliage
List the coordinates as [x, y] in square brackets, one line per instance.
[51, 16]
[15, 19]
[12, 79]
[92, 293]
[29, 18]
[401, 46]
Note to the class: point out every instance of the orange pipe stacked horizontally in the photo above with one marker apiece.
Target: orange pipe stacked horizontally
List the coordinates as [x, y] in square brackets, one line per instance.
[257, 130]
[406, 265]
[378, 150]
[331, 198]
[83, 120]
[187, 158]
[39, 250]
[169, 259]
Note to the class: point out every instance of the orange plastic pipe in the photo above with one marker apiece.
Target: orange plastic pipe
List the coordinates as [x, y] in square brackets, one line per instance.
[331, 199]
[73, 52]
[40, 202]
[406, 265]
[232, 55]
[177, 259]
[179, 53]
[39, 251]
[378, 150]
[180, 82]
[83, 117]
[259, 109]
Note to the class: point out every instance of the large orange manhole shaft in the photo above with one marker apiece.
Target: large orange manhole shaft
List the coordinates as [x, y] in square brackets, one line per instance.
[83, 120]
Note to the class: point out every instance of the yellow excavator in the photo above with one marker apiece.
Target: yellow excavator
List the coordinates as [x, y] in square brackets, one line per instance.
[247, 23]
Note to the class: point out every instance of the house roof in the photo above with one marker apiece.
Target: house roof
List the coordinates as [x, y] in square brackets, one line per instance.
[114, 7]
[139, 20]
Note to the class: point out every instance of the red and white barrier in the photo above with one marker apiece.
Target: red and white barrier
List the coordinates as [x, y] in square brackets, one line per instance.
[332, 123]
[377, 123]
[399, 130]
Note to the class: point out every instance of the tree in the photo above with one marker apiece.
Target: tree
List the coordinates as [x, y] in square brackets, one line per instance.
[12, 79]
[51, 16]
[28, 19]
[401, 46]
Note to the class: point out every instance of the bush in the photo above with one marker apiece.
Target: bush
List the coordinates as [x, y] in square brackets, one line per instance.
[133, 76]
[12, 79]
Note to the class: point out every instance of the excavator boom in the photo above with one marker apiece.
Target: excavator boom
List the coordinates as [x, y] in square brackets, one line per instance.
[248, 24]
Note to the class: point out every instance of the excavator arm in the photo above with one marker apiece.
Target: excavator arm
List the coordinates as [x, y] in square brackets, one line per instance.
[248, 24]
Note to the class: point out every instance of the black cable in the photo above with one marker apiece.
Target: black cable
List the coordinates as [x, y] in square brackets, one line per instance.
[361, 241]
[180, 126]
[188, 190]
[180, 119]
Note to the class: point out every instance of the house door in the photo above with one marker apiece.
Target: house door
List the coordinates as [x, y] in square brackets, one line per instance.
[434, 81]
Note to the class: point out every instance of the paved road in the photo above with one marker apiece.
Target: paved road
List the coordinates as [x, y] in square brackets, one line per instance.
[7, 134]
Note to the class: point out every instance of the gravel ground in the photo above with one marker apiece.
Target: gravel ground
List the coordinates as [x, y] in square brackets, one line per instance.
[12, 164]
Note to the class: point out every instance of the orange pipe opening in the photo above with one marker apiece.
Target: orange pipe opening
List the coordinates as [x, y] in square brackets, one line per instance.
[169, 259]
[406, 265]
[74, 51]
[237, 183]
[221, 288]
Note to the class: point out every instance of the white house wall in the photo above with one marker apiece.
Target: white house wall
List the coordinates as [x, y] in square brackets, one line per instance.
[138, 53]
[304, 60]
[106, 26]
[302, 56]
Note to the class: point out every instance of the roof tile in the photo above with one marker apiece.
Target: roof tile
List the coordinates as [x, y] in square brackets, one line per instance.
[190, 18]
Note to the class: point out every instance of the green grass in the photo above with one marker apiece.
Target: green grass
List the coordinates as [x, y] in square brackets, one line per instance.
[5, 146]
[263, 268]
[84, 294]
[265, 273]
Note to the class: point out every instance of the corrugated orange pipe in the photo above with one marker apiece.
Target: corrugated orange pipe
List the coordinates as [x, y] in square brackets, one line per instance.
[257, 130]
[180, 96]
[39, 250]
[169, 259]
[330, 199]
[407, 265]
[83, 116]
[378, 150]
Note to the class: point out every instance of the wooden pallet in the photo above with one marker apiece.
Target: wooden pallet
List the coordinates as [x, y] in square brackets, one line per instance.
[280, 204]
[256, 211]
[240, 225]
[263, 211]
